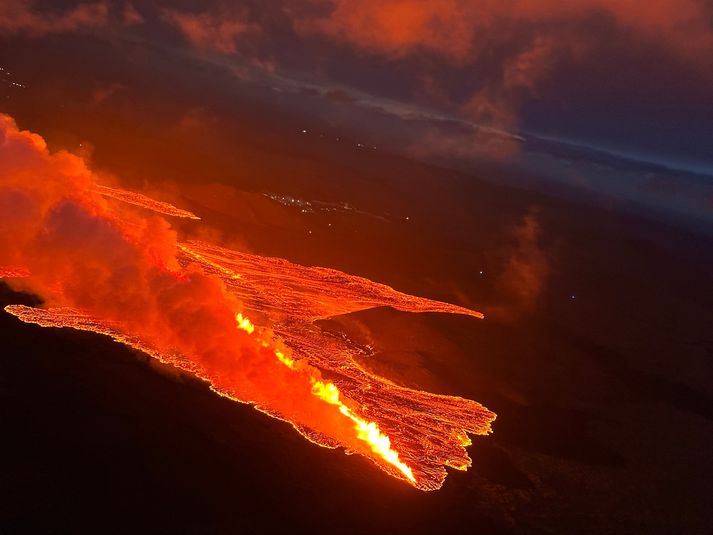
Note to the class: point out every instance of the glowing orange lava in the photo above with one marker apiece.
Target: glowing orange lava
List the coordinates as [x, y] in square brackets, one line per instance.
[428, 431]
[410, 434]
[123, 275]
[367, 431]
[137, 199]
[8, 272]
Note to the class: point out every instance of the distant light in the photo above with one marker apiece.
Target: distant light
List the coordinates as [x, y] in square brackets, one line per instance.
[482, 272]
[573, 297]
[407, 218]
[304, 131]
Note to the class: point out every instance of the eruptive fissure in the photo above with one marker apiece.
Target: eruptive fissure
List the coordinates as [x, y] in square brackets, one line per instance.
[242, 322]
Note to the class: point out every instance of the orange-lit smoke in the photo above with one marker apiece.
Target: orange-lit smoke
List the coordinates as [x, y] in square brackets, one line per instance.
[108, 267]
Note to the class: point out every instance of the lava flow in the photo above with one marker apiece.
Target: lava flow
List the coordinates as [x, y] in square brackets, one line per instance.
[137, 199]
[105, 267]
[367, 431]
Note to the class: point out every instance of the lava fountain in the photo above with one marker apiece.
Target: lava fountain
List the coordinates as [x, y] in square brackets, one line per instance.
[105, 260]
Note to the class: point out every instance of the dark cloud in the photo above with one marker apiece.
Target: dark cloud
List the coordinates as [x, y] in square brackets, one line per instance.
[25, 17]
[212, 31]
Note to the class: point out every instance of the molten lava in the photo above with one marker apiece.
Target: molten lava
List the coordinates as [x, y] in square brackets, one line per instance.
[7, 272]
[121, 273]
[143, 201]
[367, 431]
